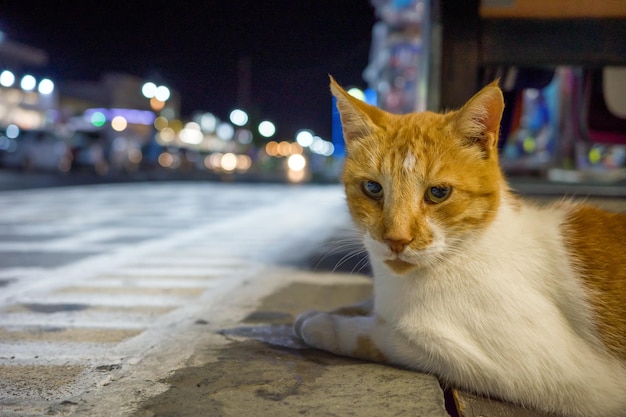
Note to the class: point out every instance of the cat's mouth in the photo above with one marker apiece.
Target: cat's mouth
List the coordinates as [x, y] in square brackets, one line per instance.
[399, 266]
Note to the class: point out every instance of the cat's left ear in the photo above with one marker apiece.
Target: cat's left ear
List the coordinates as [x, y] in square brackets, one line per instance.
[358, 118]
[478, 121]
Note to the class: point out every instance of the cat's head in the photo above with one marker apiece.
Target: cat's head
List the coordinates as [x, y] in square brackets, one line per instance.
[421, 185]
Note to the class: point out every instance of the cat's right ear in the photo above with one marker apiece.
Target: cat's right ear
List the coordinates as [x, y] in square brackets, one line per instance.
[478, 121]
[358, 118]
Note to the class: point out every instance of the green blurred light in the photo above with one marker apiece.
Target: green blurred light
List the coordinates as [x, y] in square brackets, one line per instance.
[98, 119]
[357, 93]
[595, 155]
[529, 144]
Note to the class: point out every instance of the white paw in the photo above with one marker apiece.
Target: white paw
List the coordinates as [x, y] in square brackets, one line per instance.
[318, 330]
[297, 325]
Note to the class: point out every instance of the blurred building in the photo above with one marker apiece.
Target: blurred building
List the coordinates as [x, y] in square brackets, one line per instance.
[113, 90]
[110, 123]
[26, 100]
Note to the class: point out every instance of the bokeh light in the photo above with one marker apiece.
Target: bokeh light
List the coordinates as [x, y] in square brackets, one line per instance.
[284, 148]
[119, 123]
[244, 136]
[165, 159]
[135, 156]
[271, 148]
[238, 117]
[304, 138]
[595, 155]
[244, 162]
[295, 148]
[296, 176]
[166, 135]
[225, 131]
[98, 119]
[357, 93]
[149, 90]
[267, 129]
[7, 78]
[162, 93]
[156, 104]
[160, 123]
[12, 131]
[46, 86]
[28, 83]
[191, 134]
[296, 162]
[229, 162]
[322, 147]
[208, 122]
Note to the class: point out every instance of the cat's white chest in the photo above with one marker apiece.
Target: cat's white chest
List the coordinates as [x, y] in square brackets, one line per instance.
[512, 291]
[501, 282]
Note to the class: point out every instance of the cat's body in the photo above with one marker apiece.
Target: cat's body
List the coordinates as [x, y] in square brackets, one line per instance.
[486, 291]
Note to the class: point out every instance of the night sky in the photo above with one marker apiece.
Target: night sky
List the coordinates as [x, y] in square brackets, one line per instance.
[195, 46]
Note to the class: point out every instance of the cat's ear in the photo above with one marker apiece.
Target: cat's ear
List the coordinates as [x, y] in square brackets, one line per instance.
[478, 121]
[358, 119]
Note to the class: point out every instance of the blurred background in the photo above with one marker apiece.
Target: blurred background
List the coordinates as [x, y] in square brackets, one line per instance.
[237, 90]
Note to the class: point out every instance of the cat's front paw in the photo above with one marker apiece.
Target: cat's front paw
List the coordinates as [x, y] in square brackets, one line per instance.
[297, 325]
[316, 329]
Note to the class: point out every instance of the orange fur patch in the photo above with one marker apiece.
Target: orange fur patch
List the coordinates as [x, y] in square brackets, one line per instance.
[366, 349]
[596, 243]
[399, 267]
[440, 158]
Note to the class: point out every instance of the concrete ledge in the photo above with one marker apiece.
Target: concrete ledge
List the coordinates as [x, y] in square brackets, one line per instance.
[265, 371]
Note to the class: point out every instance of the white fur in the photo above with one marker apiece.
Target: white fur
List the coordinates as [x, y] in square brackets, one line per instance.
[504, 315]
[409, 162]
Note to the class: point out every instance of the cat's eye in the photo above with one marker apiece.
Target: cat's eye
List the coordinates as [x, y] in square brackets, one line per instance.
[438, 194]
[372, 189]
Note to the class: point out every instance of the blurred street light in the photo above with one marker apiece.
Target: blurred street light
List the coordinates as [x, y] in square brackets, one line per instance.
[149, 90]
[158, 95]
[162, 93]
[267, 129]
[225, 131]
[46, 86]
[304, 138]
[357, 93]
[296, 162]
[98, 119]
[12, 131]
[119, 123]
[238, 117]
[229, 162]
[208, 122]
[191, 134]
[28, 83]
[7, 78]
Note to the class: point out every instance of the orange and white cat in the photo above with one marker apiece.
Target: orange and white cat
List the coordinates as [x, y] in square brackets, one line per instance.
[486, 291]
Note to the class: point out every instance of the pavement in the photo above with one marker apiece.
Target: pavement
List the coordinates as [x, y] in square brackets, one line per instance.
[176, 299]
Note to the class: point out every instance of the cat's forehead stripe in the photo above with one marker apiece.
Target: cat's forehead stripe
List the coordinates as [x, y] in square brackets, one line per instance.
[409, 162]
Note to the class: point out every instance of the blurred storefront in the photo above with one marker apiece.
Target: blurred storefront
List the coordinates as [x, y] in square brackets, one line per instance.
[561, 65]
[26, 100]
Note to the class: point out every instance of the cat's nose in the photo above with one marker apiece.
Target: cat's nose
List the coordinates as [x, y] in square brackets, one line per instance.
[397, 245]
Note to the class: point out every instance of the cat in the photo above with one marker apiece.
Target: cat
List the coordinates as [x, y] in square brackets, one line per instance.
[488, 292]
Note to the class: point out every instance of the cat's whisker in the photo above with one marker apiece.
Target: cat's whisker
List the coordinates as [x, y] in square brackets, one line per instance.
[347, 258]
[361, 265]
[338, 246]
